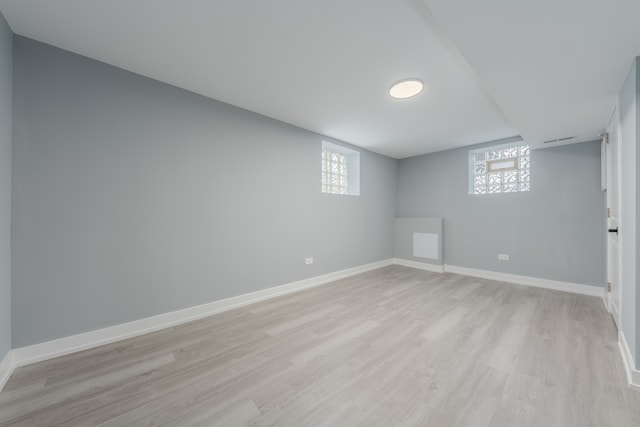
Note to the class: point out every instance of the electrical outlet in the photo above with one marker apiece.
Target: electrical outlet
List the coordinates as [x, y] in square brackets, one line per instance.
[503, 257]
[308, 260]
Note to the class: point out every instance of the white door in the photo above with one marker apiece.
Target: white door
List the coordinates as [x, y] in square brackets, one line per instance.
[612, 162]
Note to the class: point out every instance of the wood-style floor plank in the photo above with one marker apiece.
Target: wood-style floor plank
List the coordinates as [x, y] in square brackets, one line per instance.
[394, 346]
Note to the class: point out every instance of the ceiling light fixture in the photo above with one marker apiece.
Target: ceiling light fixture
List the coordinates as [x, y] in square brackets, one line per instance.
[406, 88]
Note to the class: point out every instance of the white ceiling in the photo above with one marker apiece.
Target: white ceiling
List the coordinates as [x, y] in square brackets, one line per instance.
[493, 69]
[553, 66]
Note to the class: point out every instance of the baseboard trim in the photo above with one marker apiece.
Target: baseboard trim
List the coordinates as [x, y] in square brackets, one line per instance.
[6, 368]
[556, 285]
[605, 299]
[48, 350]
[419, 265]
[633, 375]
[74, 343]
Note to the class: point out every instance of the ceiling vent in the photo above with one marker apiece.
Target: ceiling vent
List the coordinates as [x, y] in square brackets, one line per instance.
[559, 140]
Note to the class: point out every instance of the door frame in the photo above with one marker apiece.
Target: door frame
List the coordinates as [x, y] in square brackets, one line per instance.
[612, 164]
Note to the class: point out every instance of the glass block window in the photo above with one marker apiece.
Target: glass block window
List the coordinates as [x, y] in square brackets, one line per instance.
[501, 169]
[335, 172]
[340, 169]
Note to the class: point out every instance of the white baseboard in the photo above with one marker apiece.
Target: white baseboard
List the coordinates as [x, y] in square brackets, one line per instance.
[633, 375]
[605, 299]
[71, 344]
[575, 288]
[419, 265]
[6, 368]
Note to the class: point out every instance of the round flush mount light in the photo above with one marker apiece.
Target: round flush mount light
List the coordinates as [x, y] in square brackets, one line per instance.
[406, 88]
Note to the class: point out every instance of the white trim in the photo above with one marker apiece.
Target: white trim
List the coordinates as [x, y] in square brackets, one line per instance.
[575, 288]
[6, 368]
[71, 344]
[633, 375]
[605, 299]
[419, 265]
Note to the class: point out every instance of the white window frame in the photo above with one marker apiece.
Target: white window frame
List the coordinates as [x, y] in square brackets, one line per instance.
[353, 168]
[501, 165]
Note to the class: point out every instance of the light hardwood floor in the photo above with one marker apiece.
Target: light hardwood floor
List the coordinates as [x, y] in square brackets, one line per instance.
[395, 346]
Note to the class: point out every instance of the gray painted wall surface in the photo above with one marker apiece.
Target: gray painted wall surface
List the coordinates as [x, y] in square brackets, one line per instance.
[629, 138]
[555, 231]
[6, 72]
[134, 198]
[403, 237]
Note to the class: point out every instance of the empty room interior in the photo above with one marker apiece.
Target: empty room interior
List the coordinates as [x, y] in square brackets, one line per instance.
[319, 213]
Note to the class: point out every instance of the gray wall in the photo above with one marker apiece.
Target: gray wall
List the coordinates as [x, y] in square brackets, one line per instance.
[6, 70]
[134, 198]
[555, 231]
[629, 139]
